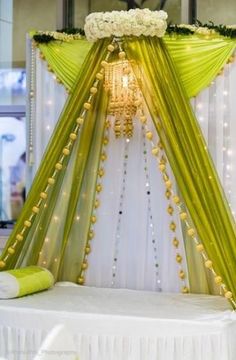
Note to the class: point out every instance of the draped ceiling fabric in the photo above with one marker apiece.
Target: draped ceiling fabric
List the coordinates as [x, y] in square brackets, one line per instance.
[194, 57]
[53, 242]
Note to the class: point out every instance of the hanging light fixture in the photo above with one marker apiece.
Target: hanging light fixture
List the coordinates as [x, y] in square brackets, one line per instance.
[124, 94]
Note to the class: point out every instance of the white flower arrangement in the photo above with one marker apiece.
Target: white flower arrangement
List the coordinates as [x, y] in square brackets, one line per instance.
[135, 22]
[61, 36]
[231, 27]
[200, 30]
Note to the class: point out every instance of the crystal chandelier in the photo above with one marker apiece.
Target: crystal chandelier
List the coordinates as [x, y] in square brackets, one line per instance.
[124, 94]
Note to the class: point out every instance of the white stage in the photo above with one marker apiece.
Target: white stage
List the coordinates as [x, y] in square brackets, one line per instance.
[117, 324]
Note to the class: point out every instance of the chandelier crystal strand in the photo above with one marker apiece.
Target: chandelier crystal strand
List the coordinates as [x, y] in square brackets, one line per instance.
[115, 257]
[96, 204]
[150, 214]
[66, 151]
[162, 161]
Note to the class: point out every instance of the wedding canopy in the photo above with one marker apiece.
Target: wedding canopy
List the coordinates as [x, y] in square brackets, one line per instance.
[62, 214]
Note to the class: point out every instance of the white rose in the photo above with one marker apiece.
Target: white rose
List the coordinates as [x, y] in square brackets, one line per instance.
[163, 15]
[119, 23]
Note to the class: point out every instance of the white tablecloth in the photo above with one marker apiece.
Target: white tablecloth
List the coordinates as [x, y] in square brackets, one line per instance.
[116, 324]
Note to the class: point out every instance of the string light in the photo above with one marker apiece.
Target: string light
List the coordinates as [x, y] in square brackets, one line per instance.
[150, 213]
[31, 109]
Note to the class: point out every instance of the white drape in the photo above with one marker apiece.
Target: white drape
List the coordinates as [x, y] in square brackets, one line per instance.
[215, 109]
[133, 242]
[50, 98]
[120, 236]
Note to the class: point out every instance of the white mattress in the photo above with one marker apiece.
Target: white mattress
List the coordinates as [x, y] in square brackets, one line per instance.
[110, 324]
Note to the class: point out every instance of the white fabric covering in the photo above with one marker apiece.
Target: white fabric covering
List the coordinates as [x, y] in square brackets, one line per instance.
[58, 344]
[121, 324]
[215, 109]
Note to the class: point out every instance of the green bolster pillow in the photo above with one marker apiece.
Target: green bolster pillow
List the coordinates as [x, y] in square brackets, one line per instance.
[28, 280]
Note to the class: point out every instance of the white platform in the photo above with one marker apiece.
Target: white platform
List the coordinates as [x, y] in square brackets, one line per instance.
[113, 324]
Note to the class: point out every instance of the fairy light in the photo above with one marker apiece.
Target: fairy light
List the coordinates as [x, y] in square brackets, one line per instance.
[199, 106]
[227, 151]
[31, 109]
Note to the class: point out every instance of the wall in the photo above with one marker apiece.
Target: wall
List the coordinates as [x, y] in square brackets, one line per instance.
[218, 11]
[28, 15]
[82, 8]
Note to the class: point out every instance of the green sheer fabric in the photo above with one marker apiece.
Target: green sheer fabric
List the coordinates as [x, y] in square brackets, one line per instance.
[187, 153]
[57, 239]
[66, 58]
[198, 60]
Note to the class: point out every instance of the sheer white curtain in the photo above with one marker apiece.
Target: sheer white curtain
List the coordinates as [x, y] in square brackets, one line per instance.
[215, 108]
[49, 99]
[128, 215]
[133, 246]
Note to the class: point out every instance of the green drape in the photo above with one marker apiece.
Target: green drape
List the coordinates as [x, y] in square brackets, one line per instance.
[187, 153]
[56, 239]
[198, 60]
[66, 58]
